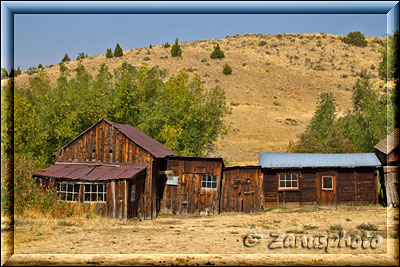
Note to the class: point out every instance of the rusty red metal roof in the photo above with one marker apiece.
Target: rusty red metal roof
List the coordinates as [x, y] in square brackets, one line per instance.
[155, 148]
[92, 171]
[143, 140]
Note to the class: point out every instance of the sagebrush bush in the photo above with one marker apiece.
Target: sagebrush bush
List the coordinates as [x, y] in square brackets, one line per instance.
[227, 70]
[356, 39]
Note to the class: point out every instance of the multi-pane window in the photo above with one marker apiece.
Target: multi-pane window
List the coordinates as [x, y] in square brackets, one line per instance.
[288, 181]
[327, 182]
[68, 191]
[133, 192]
[95, 192]
[209, 181]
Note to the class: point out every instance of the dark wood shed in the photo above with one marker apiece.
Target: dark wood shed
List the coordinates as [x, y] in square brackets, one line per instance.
[241, 189]
[387, 152]
[115, 190]
[299, 179]
[192, 185]
[110, 142]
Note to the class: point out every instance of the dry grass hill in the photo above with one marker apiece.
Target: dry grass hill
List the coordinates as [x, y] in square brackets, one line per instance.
[274, 85]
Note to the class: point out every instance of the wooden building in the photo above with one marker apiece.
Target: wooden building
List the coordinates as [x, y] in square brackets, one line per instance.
[387, 151]
[192, 185]
[241, 189]
[109, 142]
[299, 179]
[115, 190]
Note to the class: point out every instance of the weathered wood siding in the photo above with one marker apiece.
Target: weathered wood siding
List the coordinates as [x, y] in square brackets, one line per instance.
[188, 197]
[241, 190]
[355, 186]
[104, 143]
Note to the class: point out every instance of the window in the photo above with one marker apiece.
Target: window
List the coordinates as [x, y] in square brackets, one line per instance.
[68, 191]
[288, 181]
[327, 183]
[133, 192]
[95, 192]
[209, 182]
[172, 180]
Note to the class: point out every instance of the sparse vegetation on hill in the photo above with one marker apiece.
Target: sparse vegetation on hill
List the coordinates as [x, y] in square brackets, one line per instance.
[227, 70]
[81, 56]
[166, 45]
[176, 50]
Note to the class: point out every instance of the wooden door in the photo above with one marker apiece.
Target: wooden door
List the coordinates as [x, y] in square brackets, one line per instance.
[327, 190]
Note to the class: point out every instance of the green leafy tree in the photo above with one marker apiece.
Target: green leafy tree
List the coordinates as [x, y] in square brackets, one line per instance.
[217, 53]
[4, 73]
[109, 53]
[355, 38]
[66, 58]
[227, 70]
[176, 50]
[118, 51]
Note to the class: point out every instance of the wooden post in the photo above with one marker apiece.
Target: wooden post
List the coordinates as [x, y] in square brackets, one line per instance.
[113, 198]
[126, 200]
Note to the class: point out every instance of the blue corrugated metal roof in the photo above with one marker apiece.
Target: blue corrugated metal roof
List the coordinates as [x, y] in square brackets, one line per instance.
[301, 160]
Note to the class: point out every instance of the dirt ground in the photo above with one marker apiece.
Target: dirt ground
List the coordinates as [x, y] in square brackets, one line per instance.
[207, 240]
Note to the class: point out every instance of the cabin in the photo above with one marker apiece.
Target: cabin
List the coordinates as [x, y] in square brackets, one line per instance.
[241, 189]
[387, 151]
[192, 185]
[94, 150]
[328, 180]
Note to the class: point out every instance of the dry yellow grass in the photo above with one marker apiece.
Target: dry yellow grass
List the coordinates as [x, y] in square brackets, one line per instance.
[273, 88]
[221, 236]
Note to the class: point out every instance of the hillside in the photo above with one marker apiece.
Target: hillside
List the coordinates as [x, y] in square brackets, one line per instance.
[274, 85]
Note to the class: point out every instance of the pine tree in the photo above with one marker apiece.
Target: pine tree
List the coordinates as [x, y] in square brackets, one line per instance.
[176, 50]
[217, 53]
[109, 53]
[4, 73]
[66, 58]
[118, 51]
[40, 66]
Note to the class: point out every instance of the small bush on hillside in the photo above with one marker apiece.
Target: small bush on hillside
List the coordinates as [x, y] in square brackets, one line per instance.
[118, 51]
[356, 39]
[65, 58]
[166, 45]
[109, 53]
[176, 50]
[40, 66]
[81, 56]
[217, 53]
[227, 70]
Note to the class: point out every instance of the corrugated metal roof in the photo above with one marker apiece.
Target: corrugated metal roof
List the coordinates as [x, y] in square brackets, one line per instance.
[388, 144]
[92, 171]
[302, 160]
[141, 139]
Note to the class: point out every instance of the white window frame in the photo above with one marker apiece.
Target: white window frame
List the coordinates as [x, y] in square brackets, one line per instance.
[90, 192]
[206, 184]
[286, 180]
[66, 191]
[327, 189]
[172, 180]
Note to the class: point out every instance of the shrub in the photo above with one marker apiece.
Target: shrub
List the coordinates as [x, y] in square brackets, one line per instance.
[118, 51]
[65, 58]
[40, 66]
[217, 53]
[150, 46]
[166, 45]
[109, 53]
[227, 70]
[336, 227]
[367, 227]
[176, 50]
[81, 56]
[356, 39]
[276, 103]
